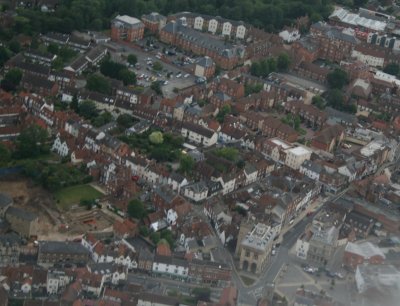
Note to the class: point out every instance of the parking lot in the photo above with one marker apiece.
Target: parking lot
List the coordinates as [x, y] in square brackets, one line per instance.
[171, 77]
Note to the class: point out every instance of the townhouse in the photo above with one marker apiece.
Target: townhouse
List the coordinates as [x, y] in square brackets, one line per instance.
[198, 134]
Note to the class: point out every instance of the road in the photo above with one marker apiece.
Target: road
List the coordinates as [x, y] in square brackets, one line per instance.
[249, 295]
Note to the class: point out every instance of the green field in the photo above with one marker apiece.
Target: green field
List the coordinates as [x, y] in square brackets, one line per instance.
[69, 196]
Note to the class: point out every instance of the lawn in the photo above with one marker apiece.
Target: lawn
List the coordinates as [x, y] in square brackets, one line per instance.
[247, 280]
[66, 197]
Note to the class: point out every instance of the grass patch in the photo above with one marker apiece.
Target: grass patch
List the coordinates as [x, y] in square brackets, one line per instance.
[247, 280]
[69, 196]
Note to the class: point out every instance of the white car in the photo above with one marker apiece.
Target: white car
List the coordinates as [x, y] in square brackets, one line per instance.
[178, 75]
[166, 83]
[186, 75]
[273, 252]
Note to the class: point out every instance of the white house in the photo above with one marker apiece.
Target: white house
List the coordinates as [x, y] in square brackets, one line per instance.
[196, 192]
[240, 31]
[60, 146]
[212, 26]
[176, 181]
[56, 281]
[369, 56]
[226, 28]
[198, 134]
[296, 156]
[170, 266]
[111, 273]
[290, 35]
[302, 246]
[227, 182]
[198, 23]
[250, 172]
[172, 216]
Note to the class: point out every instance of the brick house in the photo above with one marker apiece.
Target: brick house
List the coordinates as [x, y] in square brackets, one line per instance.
[126, 28]
[41, 86]
[309, 113]
[312, 71]
[229, 87]
[154, 22]
[335, 44]
[226, 55]
[205, 67]
[329, 138]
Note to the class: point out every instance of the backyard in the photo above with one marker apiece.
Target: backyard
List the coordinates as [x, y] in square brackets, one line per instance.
[66, 197]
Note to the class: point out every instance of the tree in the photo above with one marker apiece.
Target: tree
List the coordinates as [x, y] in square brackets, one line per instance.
[225, 110]
[202, 294]
[186, 163]
[227, 153]
[88, 109]
[156, 87]
[337, 79]
[156, 137]
[74, 105]
[5, 155]
[158, 66]
[53, 48]
[14, 46]
[155, 237]
[132, 59]
[98, 83]
[125, 121]
[392, 69]
[335, 98]
[318, 101]
[283, 62]
[57, 64]
[127, 77]
[11, 79]
[4, 55]
[136, 209]
[31, 142]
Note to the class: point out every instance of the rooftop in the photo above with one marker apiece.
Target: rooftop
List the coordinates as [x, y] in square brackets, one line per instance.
[127, 19]
[299, 151]
[259, 237]
[365, 249]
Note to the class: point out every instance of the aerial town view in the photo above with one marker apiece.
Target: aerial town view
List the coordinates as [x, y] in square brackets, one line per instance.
[199, 152]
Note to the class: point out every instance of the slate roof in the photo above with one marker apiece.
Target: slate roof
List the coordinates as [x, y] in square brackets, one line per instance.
[62, 247]
[5, 200]
[198, 129]
[21, 214]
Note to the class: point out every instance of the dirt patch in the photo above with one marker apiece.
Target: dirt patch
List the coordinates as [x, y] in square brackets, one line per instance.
[32, 198]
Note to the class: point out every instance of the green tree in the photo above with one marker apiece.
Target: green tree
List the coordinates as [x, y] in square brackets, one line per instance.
[144, 231]
[225, 110]
[337, 79]
[57, 64]
[74, 105]
[127, 77]
[87, 109]
[11, 79]
[156, 137]
[53, 48]
[98, 83]
[202, 294]
[283, 62]
[4, 55]
[158, 66]
[156, 87]
[186, 163]
[132, 59]
[125, 121]
[5, 155]
[31, 142]
[227, 153]
[155, 237]
[392, 68]
[318, 101]
[14, 46]
[136, 209]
